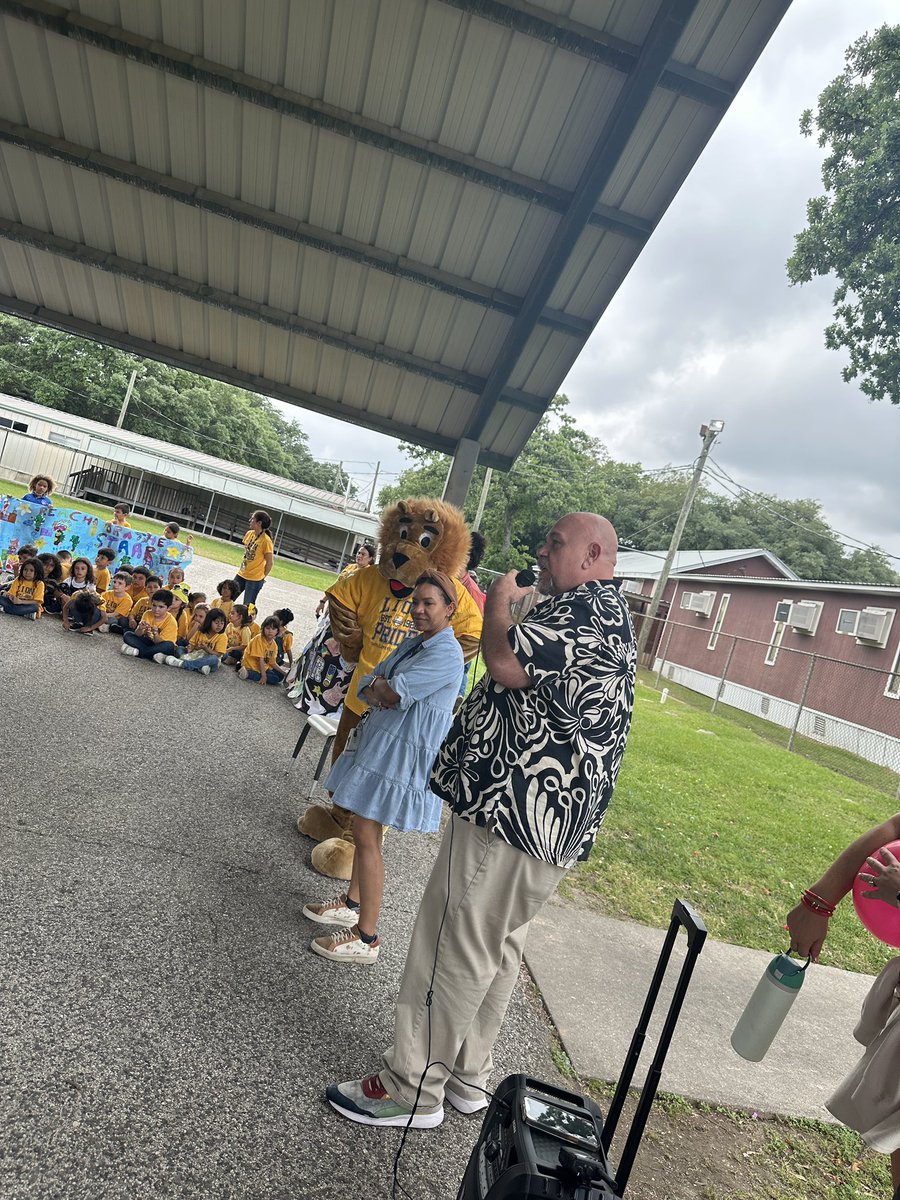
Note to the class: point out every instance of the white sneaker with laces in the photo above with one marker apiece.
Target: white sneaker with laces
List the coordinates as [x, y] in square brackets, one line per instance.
[160, 658]
[204, 670]
[242, 673]
[332, 912]
[172, 660]
[129, 650]
[346, 946]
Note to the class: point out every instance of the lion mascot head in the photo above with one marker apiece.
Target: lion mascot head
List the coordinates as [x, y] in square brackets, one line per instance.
[417, 534]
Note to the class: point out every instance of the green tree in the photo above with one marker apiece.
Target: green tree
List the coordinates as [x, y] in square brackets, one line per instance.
[89, 379]
[854, 229]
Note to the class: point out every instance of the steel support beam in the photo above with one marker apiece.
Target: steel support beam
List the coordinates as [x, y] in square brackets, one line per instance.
[325, 405]
[465, 460]
[597, 46]
[190, 289]
[667, 29]
[69, 24]
[218, 204]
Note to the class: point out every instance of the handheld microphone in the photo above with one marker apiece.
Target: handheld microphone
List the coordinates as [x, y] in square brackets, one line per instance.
[525, 578]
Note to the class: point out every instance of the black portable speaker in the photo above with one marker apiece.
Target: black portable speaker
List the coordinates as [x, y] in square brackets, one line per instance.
[538, 1140]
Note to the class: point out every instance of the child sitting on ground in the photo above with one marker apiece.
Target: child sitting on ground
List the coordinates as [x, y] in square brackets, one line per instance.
[81, 578]
[176, 576]
[153, 584]
[179, 610]
[25, 595]
[83, 613]
[238, 631]
[206, 647]
[103, 569]
[156, 633]
[258, 662]
[52, 579]
[198, 613]
[117, 604]
[137, 587]
[229, 590]
[284, 640]
[14, 562]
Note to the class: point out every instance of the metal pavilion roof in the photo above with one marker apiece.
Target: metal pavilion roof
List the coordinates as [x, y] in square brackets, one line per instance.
[409, 214]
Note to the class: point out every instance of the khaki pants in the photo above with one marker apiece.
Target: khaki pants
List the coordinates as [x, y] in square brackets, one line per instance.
[495, 890]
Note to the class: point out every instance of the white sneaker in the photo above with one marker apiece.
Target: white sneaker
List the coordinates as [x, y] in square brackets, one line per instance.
[132, 651]
[332, 912]
[346, 946]
[160, 658]
[204, 670]
[242, 673]
[462, 1105]
[172, 660]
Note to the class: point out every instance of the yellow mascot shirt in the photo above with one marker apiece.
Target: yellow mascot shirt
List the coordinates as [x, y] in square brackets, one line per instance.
[256, 547]
[385, 621]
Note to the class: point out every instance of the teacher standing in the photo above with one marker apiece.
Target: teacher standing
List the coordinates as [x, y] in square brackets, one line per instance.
[259, 554]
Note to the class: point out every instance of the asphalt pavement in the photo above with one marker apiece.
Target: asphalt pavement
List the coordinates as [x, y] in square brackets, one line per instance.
[165, 1030]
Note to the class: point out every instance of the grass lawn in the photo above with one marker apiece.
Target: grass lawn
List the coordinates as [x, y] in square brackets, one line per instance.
[708, 811]
[215, 548]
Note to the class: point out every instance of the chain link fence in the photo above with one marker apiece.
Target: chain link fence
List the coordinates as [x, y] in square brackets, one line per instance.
[843, 715]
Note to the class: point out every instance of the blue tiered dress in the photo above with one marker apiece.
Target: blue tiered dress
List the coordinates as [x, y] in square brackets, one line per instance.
[385, 778]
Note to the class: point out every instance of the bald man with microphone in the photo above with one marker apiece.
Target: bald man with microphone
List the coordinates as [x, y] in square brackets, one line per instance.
[527, 770]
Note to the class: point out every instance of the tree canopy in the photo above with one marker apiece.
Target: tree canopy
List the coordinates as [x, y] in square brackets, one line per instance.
[562, 469]
[89, 379]
[853, 230]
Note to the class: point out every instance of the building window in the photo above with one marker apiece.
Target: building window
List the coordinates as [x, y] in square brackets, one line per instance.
[775, 644]
[847, 619]
[893, 684]
[717, 624]
[15, 426]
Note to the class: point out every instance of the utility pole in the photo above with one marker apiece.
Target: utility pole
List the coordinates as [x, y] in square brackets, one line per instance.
[482, 499]
[374, 485]
[709, 433]
[124, 409]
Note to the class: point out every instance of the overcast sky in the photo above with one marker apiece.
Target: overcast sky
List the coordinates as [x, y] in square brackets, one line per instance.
[706, 326]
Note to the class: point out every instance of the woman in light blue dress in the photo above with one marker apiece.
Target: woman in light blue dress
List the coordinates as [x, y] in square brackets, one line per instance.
[382, 776]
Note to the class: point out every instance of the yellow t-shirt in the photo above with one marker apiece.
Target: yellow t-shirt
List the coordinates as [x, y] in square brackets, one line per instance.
[27, 591]
[385, 620]
[224, 606]
[140, 607]
[258, 649]
[184, 622]
[101, 579]
[257, 546]
[211, 643]
[120, 605]
[66, 571]
[136, 591]
[166, 624]
[239, 636]
[287, 641]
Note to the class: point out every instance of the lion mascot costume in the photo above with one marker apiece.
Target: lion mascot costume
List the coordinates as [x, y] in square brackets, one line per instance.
[370, 616]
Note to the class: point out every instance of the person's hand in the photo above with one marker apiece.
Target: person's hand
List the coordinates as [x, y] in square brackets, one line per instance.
[506, 591]
[883, 878]
[808, 931]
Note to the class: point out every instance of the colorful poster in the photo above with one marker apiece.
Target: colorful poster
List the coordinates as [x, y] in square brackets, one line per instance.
[52, 529]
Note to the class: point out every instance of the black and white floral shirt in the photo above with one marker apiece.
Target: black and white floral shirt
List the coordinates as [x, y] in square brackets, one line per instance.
[538, 765]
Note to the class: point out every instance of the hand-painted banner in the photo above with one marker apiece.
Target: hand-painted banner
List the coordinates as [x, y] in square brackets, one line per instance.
[51, 529]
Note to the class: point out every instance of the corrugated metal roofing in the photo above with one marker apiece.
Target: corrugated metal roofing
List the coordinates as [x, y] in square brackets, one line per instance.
[406, 213]
[647, 564]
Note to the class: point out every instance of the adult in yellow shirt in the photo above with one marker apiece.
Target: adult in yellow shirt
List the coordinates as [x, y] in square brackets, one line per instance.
[155, 635]
[259, 554]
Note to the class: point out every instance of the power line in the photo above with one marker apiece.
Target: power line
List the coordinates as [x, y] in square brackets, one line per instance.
[844, 539]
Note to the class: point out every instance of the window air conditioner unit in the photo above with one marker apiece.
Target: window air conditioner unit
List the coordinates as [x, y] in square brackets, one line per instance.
[700, 603]
[804, 616]
[782, 610]
[873, 626]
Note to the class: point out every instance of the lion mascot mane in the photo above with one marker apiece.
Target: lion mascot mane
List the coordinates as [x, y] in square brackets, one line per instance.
[370, 617]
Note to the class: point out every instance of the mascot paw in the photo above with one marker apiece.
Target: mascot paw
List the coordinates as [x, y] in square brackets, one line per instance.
[322, 822]
[334, 858]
